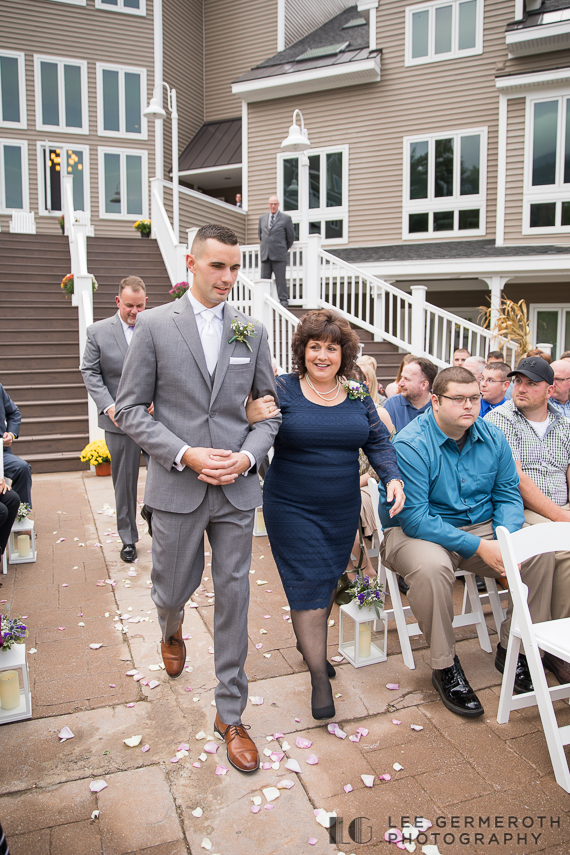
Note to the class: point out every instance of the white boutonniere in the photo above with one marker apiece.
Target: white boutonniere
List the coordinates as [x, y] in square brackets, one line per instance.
[241, 332]
[356, 390]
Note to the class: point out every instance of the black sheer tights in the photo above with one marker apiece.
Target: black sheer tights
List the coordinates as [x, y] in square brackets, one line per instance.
[310, 627]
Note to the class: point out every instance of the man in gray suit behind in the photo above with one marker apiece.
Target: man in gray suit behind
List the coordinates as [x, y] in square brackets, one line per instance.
[198, 359]
[276, 236]
[102, 365]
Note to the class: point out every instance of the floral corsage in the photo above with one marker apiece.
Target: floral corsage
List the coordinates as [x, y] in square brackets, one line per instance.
[241, 332]
[356, 390]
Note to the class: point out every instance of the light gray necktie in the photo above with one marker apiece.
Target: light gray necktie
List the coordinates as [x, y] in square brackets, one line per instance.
[210, 340]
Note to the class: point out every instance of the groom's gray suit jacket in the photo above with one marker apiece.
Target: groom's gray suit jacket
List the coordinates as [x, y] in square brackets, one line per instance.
[165, 363]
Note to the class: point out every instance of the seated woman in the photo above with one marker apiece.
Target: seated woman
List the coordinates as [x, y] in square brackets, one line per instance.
[311, 494]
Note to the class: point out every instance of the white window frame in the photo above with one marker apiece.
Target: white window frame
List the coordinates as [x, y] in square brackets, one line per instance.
[23, 123]
[445, 203]
[23, 145]
[562, 309]
[121, 69]
[545, 193]
[121, 8]
[61, 61]
[455, 53]
[72, 2]
[41, 148]
[323, 213]
[139, 152]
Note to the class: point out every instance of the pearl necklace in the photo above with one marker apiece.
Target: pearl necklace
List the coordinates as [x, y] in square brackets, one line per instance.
[335, 389]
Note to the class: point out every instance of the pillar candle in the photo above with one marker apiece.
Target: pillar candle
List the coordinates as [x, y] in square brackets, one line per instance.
[364, 639]
[9, 690]
[24, 545]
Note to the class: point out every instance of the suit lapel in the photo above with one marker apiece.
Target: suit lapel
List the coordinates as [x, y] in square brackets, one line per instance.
[119, 335]
[185, 320]
[226, 349]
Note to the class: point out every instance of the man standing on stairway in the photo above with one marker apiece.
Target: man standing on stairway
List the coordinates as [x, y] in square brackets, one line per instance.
[276, 236]
[102, 366]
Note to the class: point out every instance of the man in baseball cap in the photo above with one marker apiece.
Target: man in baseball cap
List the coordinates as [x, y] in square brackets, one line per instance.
[535, 369]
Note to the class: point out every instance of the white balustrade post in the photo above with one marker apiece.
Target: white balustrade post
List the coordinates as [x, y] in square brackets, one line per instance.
[418, 319]
[260, 309]
[191, 235]
[155, 193]
[312, 272]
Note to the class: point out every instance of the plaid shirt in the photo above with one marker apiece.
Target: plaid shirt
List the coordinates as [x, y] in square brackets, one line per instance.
[546, 460]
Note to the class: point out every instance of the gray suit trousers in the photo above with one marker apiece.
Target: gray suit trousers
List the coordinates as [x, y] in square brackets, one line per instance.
[278, 268]
[125, 460]
[177, 566]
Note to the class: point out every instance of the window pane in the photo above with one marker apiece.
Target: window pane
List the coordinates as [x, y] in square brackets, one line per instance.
[131, 4]
[315, 228]
[296, 230]
[13, 176]
[547, 329]
[470, 156]
[74, 167]
[132, 103]
[467, 29]
[72, 89]
[333, 229]
[111, 121]
[334, 179]
[443, 17]
[419, 170]
[443, 168]
[315, 181]
[291, 184]
[9, 90]
[418, 223]
[543, 216]
[134, 184]
[420, 34]
[112, 183]
[50, 96]
[109, 2]
[567, 146]
[443, 221]
[53, 199]
[469, 219]
[565, 220]
[544, 143]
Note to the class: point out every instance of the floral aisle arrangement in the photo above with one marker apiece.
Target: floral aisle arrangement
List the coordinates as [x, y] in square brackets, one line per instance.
[179, 290]
[12, 631]
[368, 593]
[67, 284]
[143, 227]
[23, 510]
[96, 453]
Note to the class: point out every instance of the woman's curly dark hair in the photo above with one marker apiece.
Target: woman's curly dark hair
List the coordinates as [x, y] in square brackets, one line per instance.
[324, 325]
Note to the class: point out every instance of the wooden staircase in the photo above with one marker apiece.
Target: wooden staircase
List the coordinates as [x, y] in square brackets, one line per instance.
[39, 338]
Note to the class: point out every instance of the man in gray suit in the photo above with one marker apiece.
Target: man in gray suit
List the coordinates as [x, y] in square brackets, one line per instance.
[198, 359]
[103, 358]
[276, 236]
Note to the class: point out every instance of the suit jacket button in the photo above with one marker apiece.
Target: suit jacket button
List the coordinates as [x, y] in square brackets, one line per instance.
[213, 415]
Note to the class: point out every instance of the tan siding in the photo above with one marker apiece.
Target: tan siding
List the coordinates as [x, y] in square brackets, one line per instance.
[235, 41]
[301, 18]
[515, 171]
[197, 210]
[78, 32]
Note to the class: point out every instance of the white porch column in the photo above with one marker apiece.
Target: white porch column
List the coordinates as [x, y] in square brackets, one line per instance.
[157, 91]
[261, 310]
[495, 285]
[312, 273]
[418, 319]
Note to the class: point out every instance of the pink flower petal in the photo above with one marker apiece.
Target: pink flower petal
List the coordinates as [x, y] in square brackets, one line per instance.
[337, 658]
[363, 731]
[312, 841]
[153, 684]
[285, 617]
[187, 688]
[347, 788]
[277, 756]
[112, 686]
[61, 628]
[210, 748]
[130, 706]
[258, 646]
[145, 748]
[97, 786]
[138, 677]
[401, 845]
[61, 539]
[221, 770]
[266, 766]
[393, 835]
[197, 765]
[293, 766]
[278, 735]
[355, 738]
[385, 777]
[416, 727]
[396, 721]
[266, 617]
[183, 747]
[186, 637]
[255, 808]
[174, 759]
[312, 760]
[297, 719]
[393, 686]
[268, 807]
[132, 672]
[303, 743]
[65, 585]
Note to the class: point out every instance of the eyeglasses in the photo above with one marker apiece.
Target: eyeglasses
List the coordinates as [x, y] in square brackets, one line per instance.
[460, 400]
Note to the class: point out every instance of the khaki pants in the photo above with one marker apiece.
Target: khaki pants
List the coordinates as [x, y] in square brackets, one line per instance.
[429, 570]
[560, 605]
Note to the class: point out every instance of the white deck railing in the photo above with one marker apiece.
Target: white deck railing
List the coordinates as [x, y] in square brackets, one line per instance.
[172, 251]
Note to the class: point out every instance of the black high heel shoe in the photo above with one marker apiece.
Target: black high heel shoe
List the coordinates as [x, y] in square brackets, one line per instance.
[331, 671]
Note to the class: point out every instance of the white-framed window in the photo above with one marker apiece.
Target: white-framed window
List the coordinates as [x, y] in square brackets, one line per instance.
[445, 184]
[12, 90]
[129, 7]
[61, 94]
[327, 191]
[443, 29]
[54, 161]
[72, 2]
[121, 99]
[546, 207]
[14, 186]
[550, 324]
[123, 184]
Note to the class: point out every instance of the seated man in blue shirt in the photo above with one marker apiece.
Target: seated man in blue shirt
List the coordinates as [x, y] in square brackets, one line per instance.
[494, 384]
[415, 395]
[461, 483]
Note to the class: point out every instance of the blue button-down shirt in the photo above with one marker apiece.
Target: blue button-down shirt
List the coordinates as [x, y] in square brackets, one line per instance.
[486, 407]
[447, 488]
[563, 409]
[402, 412]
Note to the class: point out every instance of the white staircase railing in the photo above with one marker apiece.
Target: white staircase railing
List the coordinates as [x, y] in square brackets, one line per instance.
[172, 251]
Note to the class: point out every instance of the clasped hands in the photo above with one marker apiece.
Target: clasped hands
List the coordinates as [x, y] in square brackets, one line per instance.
[7, 439]
[216, 466]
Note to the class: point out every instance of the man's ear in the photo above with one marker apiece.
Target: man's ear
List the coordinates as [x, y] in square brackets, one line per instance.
[190, 262]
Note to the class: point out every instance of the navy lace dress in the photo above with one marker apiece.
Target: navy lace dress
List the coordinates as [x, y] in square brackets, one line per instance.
[311, 494]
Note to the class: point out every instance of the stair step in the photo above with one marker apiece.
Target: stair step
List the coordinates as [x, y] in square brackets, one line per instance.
[34, 362]
[71, 443]
[55, 409]
[48, 426]
[28, 394]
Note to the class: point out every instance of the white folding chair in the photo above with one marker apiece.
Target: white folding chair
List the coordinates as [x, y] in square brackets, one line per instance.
[493, 597]
[398, 612]
[5, 555]
[552, 636]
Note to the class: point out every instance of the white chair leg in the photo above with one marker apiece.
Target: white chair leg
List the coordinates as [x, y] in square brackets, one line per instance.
[400, 619]
[477, 610]
[499, 613]
[548, 718]
[507, 686]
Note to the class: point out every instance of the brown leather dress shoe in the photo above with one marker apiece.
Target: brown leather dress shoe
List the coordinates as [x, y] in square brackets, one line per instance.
[559, 667]
[242, 751]
[174, 653]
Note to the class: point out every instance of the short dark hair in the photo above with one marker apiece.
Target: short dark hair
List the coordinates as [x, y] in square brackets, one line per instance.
[428, 369]
[135, 283]
[455, 374]
[496, 354]
[212, 231]
[565, 355]
[325, 325]
[501, 367]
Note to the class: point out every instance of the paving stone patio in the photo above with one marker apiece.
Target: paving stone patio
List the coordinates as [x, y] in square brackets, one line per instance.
[487, 788]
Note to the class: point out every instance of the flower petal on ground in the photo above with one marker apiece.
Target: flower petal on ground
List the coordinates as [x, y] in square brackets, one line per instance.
[153, 684]
[145, 748]
[368, 780]
[257, 701]
[206, 844]
[422, 823]
[132, 672]
[430, 849]
[293, 766]
[324, 818]
[393, 835]
[337, 658]
[312, 760]
[197, 812]
[303, 743]
[385, 777]
[200, 735]
[396, 721]
[65, 733]
[312, 841]
[255, 808]
[133, 741]
[347, 788]
[271, 793]
[397, 767]
[97, 786]
[416, 726]
[410, 832]
[285, 784]
[393, 686]
[221, 770]
[211, 747]
[258, 646]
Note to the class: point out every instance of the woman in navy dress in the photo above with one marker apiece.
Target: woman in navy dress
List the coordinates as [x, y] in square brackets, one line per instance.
[311, 493]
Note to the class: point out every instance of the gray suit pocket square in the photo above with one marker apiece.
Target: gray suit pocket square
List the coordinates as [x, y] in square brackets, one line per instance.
[239, 360]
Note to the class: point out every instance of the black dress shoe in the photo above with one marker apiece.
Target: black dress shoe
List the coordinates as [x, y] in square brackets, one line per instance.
[559, 667]
[523, 681]
[481, 586]
[455, 691]
[146, 514]
[128, 553]
[403, 585]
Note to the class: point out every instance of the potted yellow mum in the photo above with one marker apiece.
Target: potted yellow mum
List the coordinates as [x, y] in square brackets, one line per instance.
[97, 454]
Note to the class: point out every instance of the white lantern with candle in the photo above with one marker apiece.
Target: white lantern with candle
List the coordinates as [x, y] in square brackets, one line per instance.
[15, 696]
[363, 634]
[22, 542]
